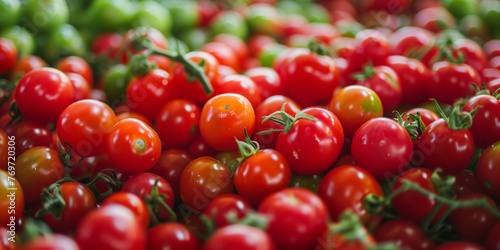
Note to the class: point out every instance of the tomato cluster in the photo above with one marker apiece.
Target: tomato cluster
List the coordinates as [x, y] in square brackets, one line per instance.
[258, 124]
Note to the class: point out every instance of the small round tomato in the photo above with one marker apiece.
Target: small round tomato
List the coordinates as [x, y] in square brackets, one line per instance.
[224, 118]
[488, 173]
[79, 200]
[29, 134]
[267, 80]
[413, 74]
[474, 54]
[262, 174]
[493, 241]
[132, 146]
[27, 64]
[177, 122]
[485, 127]
[309, 214]
[427, 116]
[434, 19]
[223, 54]
[404, 234]
[37, 168]
[219, 208]
[132, 202]
[199, 147]
[85, 126]
[13, 205]
[107, 44]
[239, 84]
[8, 56]
[75, 64]
[52, 241]
[42, 94]
[244, 236]
[202, 180]
[369, 46]
[354, 105]
[344, 188]
[81, 89]
[127, 47]
[385, 82]
[239, 46]
[466, 182]
[111, 227]
[172, 236]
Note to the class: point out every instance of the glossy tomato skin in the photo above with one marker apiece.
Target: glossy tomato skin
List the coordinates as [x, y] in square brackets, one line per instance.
[172, 236]
[42, 94]
[412, 205]
[451, 81]
[79, 201]
[147, 94]
[219, 208]
[312, 146]
[345, 187]
[427, 116]
[170, 166]
[111, 227]
[309, 215]
[132, 146]
[37, 168]
[385, 82]
[132, 202]
[493, 241]
[29, 134]
[473, 224]
[267, 80]
[239, 84]
[488, 173]
[485, 127]
[466, 182]
[7, 183]
[474, 54]
[243, 236]
[77, 65]
[369, 46]
[265, 108]
[445, 148]
[81, 89]
[383, 147]
[107, 45]
[202, 180]
[26, 64]
[262, 174]
[354, 105]
[413, 74]
[404, 234]
[85, 125]
[53, 241]
[223, 54]
[224, 118]
[8, 56]
[319, 72]
[177, 122]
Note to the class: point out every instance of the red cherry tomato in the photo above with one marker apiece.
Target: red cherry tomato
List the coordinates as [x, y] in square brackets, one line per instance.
[81, 89]
[385, 82]
[27, 64]
[243, 236]
[239, 84]
[485, 127]
[224, 54]
[267, 80]
[488, 173]
[177, 123]
[219, 208]
[413, 75]
[107, 44]
[172, 236]
[52, 241]
[8, 56]
[132, 202]
[404, 234]
[77, 65]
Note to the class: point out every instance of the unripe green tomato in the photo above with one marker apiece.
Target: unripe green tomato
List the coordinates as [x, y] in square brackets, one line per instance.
[62, 42]
[269, 54]
[111, 14]
[44, 16]
[263, 18]
[490, 13]
[461, 8]
[185, 14]
[288, 7]
[22, 38]
[152, 14]
[194, 38]
[229, 22]
[316, 13]
[115, 84]
[10, 12]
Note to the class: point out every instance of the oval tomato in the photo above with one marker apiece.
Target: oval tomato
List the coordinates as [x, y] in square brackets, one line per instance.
[219, 208]
[172, 236]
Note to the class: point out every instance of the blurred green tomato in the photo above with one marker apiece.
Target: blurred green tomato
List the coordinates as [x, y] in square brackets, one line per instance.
[263, 18]
[115, 84]
[229, 22]
[269, 54]
[62, 42]
[152, 14]
[10, 12]
[289, 8]
[461, 8]
[316, 13]
[22, 38]
[195, 38]
[184, 14]
[45, 15]
[111, 14]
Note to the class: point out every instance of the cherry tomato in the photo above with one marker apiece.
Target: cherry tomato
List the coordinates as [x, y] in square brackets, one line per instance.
[413, 74]
[487, 172]
[262, 174]
[170, 166]
[202, 180]
[155, 36]
[199, 147]
[239, 46]
[354, 105]
[107, 44]
[369, 46]
[493, 241]
[14, 198]
[426, 115]
[42, 94]
[75, 64]
[81, 89]
[243, 236]
[26, 64]
[466, 182]
[404, 234]
[85, 125]
[29, 134]
[224, 54]
[239, 84]
[267, 80]
[219, 208]
[345, 188]
[79, 201]
[8, 56]
[385, 82]
[485, 127]
[434, 19]
[111, 227]
[224, 118]
[134, 115]
[172, 236]
[474, 54]
[52, 241]
[309, 215]
[37, 168]
[132, 202]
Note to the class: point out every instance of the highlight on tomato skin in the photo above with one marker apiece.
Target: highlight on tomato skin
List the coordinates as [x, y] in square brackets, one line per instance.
[257, 124]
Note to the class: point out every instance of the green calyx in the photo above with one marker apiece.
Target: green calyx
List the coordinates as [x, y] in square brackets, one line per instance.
[367, 73]
[155, 202]
[140, 66]
[247, 148]
[317, 48]
[52, 201]
[457, 119]
[413, 123]
[286, 120]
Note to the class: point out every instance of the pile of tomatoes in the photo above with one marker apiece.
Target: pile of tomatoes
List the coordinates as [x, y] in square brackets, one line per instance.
[259, 124]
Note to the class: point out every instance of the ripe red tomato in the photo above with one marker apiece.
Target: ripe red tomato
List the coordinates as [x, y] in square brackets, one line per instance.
[345, 188]
[426, 115]
[29, 134]
[485, 127]
[404, 234]
[243, 236]
[383, 147]
[385, 82]
[354, 105]
[111, 227]
[107, 44]
[202, 180]
[85, 125]
[128, 114]
[81, 89]
[309, 214]
[239, 84]
[8, 56]
[267, 80]
[79, 201]
[75, 64]
[224, 118]
[172, 236]
[219, 208]
[224, 54]
[458, 245]
[413, 74]
[147, 94]
[52, 241]
[132, 202]
[466, 182]
[7, 184]
[474, 54]
[37, 168]
[42, 94]
[26, 64]
[262, 174]
[488, 173]
[239, 46]
[434, 19]
[369, 46]
[493, 241]
[127, 45]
